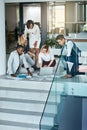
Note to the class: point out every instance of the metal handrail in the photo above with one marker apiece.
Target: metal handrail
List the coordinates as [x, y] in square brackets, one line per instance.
[49, 91]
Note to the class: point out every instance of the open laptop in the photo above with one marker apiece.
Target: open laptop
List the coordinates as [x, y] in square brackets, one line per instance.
[46, 71]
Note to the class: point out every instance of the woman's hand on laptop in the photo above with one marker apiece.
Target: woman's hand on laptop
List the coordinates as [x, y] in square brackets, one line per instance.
[45, 66]
[50, 63]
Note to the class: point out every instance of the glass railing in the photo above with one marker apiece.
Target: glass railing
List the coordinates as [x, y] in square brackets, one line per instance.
[48, 119]
[61, 87]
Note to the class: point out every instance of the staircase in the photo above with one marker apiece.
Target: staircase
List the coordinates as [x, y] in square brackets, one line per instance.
[22, 104]
[49, 119]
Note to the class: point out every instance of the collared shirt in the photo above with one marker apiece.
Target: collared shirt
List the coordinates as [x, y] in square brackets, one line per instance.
[69, 46]
[45, 57]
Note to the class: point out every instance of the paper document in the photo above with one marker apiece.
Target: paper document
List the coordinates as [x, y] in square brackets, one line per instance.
[70, 64]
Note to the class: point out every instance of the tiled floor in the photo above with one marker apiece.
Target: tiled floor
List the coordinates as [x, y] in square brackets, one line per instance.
[75, 79]
[35, 77]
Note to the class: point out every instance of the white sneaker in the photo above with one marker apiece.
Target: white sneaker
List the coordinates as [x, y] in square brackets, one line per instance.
[28, 76]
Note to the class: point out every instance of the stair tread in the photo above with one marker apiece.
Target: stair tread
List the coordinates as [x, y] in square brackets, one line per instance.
[7, 127]
[32, 107]
[24, 89]
[25, 84]
[26, 119]
[22, 106]
[23, 95]
[32, 119]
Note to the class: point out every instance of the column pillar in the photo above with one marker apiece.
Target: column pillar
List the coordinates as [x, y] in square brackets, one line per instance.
[21, 17]
[2, 39]
[43, 21]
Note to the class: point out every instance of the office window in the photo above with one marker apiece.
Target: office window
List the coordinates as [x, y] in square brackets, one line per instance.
[32, 12]
[56, 18]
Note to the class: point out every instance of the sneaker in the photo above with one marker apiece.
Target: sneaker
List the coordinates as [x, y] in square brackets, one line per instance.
[29, 77]
[35, 67]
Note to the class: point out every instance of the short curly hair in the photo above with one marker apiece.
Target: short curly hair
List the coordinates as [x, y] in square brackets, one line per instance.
[60, 37]
[19, 46]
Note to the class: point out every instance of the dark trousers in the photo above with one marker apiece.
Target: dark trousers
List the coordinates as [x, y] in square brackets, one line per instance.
[47, 63]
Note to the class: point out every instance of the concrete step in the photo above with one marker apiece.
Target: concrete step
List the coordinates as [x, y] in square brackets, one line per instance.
[22, 104]
[7, 127]
[28, 95]
[30, 121]
[14, 107]
[23, 95]
[25, 84]
[20, 118]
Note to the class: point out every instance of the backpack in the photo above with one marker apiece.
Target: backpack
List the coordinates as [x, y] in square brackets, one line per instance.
[76, 49]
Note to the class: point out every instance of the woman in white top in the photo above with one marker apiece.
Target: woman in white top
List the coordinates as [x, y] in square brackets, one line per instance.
[34, 37]
[46, 58]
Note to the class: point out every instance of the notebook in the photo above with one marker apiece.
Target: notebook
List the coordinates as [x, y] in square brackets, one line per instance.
[46, 70]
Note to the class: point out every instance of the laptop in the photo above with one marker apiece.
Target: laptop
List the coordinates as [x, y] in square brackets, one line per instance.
[46, 71]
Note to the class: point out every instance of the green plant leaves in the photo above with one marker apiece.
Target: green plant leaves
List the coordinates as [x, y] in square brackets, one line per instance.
[52, 42]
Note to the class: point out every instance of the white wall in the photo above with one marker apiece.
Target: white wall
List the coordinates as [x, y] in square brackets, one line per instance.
[2, 39]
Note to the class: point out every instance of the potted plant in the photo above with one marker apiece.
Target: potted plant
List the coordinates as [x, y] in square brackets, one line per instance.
[53, 44]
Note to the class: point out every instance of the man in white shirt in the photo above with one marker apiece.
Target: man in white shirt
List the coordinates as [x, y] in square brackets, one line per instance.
[17, 61]
[71, 56]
